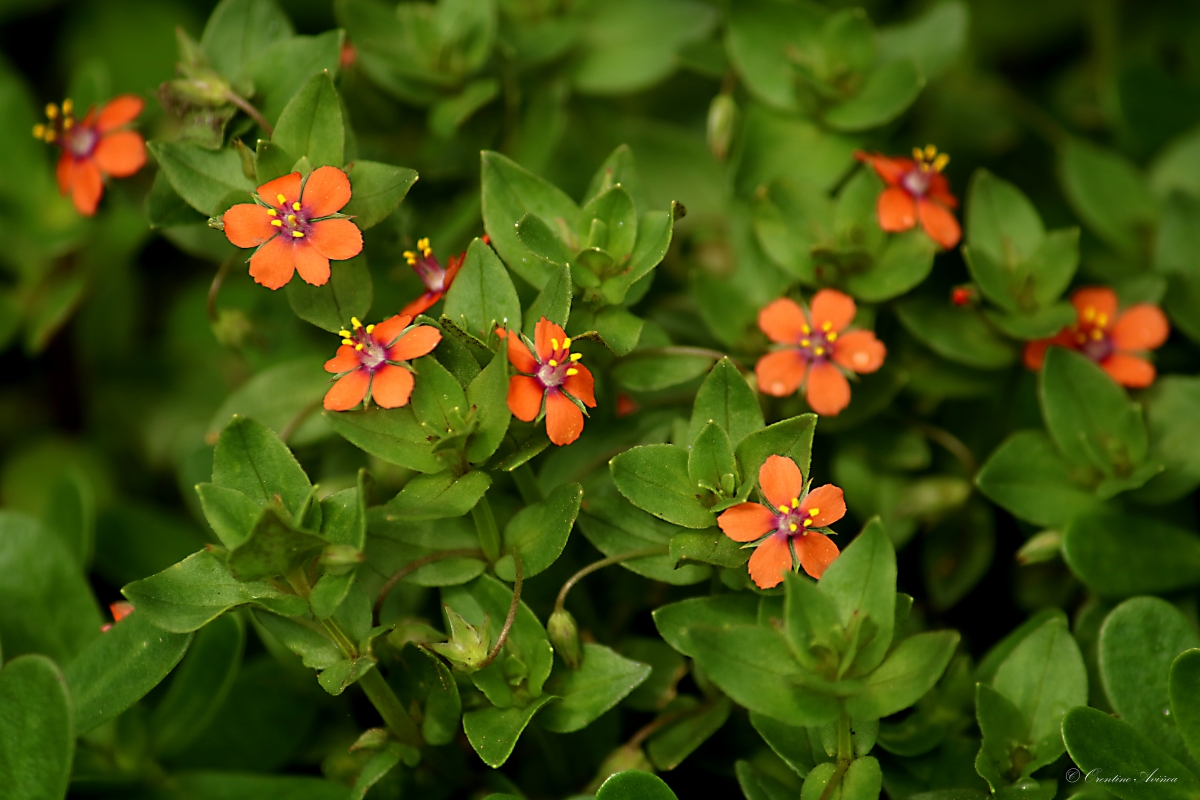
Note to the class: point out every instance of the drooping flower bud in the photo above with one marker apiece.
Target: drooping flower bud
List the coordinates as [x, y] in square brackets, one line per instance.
[722, 120]
[468, 645]
[564, 635]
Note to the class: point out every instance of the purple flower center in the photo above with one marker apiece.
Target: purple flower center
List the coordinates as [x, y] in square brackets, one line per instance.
[423, 262]
[292, 219]
[372, 354]
[552, 376]
[792, 522]
[80, 141]
[817, 345]
[916, 181]
[1097, 349]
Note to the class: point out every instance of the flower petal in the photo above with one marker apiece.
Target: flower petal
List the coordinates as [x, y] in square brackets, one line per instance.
[746, 522]
[391, 387]
[248, 225]
[86, 187]
[859, 351]
[1128, 370]
[780, 481]
[564, 420]
[1034, 354]
[780, 373]
[939, 222]
[421, 304]
[121, 110]
[1092, 301]
[1141, 327]
[417, 342]
[453, 265]
[771, 559]
[345, 360]
[286, 185]
[120, 154]
[939, 191]
[524, 397]
[830, 305]
[828, 391]
[890, 169]
[349, 391]
[896, 209]
[581, 386]
[783, 321]
[816, 551]
[543, 332]
[336, 239]
[312, 266]
[519, 355]
[828, 502]
[326, 192]
[388, 331]
[273, 264]
[64, 173]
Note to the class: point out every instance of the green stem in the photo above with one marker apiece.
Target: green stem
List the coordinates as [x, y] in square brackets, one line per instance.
[519, 579]
[845, 746]
[527, 484]
[601, 564]
[485, 525]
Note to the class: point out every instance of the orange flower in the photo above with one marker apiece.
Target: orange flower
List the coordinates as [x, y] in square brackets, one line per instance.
[916, 190]
[815, 345]
[1108, 337]
[791, 524]
[93, 147]
[551, 371]
[120, 610]
[296, 227]
[372, 363]
[436, 279]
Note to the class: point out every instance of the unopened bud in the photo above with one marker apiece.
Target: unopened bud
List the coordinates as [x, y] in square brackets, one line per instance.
[468, 645]
[340, 558]
[371, 739]
[249, 167]
[564, 635]
[722, 119]
[624, 758]
[1044, 546]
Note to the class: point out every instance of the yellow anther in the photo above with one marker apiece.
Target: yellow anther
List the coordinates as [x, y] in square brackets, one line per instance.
[297, 234]
[296, 206]
[291, 218]
[805, 342]
[68, 106]
[51, 135]
[51, 111]
[832, 336]
[808, 523]
[930, 151]
[355, 323]
[348, 340]
[1102, 319]
[827, 326]
[277, 223]
[272, 212]
[359, 346]
[1089, 314]
[281, 199]
[795, 502]
[567, 343]
[792, 527]
[917, 154]
[819, 351]
[370, 328]
[427, 252]
[1097, 335]
[553, 363]
[423, 244]
[812, 512]
[572, 372]
[784, 508]
[68, 123]
[343, 333]
[39, 131]
[576, 356]
[805, 329]
[554, 344]
[940, 162]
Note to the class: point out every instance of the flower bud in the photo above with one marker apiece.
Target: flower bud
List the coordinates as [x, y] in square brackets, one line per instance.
[371, 739]
[722, 119]
[564, 635]
[339, 559]
[468, 645]
[1044, 546]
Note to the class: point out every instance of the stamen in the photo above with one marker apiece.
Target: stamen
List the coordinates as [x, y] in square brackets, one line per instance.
[808, 523]
[567, 343]
[272, 212]
[297, 235]
[359, 347]
[291, 219]
[370, 328]
[553, 363]
[554, 343]
[1089, 314]
[818, 351]
[805, 342]
[918, 155]
[812, 512]
[51, 136]
[572, 372]
[281, 199]
[795, 502]
[826, 326]
[355, 323]
[68, 123]
[296, 206]
[1097, 334]
[423, 244]
[67, 107]
[783, 508]
[792, 527]
[1102, 319]
[831, 336]
[348, 340]
[576, 356]
[940, 162]
[51, 111]
[805, 329]
[277, 223]
[343, 333]
[930, 152]
[39, 131]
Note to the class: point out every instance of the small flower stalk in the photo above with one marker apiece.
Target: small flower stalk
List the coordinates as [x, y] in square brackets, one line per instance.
[552, 382]
[372, 363]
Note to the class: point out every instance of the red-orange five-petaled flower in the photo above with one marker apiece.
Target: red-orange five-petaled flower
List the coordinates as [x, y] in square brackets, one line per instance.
[1108, 337]
[551, 372]
[916, 191]
[296, 227]
[790, 526]
[437, 279]
[93, 147]
[372, 363]
[816, 347]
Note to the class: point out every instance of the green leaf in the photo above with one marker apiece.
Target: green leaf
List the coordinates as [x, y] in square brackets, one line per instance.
[204, 178]
[544, 242]
[654, 231]
[1002, 224]
[671, 745]
[1097, 547]
[1040, 324]
[199, 589]
[791, 438]
[1184, 689]
[343, 515]
[330, 306]
[1112, 748]
[493, 732]
[653, 370]
[761, 36]
[391, 546]
[272, 549]
[46, 605]
[482, 296]
[1172, 407]
[250, 458]
[614, 526]
[634, 785]
[1139, 640]
[448, 115]
[283, 397]
[120, 668]
[282, 69]
[1000, 651]
[909, 671]
[812, 622]
[726, 399]
[378, 190]
[438, 496]
[862, 582]
[888, 90]
[933, 40]
[554, 301]
[790, 742]
[219, 785]
[758, 785]
[711, 461]
[487, 396]
[311, 125]
[904, 263]
[655, 478]
[199, 686]
[37, 735]
[958, 334]
[539, 532]
[675, 620]
[602, 681]
[707, 547]
[1027, 476]
[1088, 415]
[345, 673]
[426, 680]
[71, 516]
[1005, 738]
[393, 435]
[509, 193]
[1109, 195]
[238, 31]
